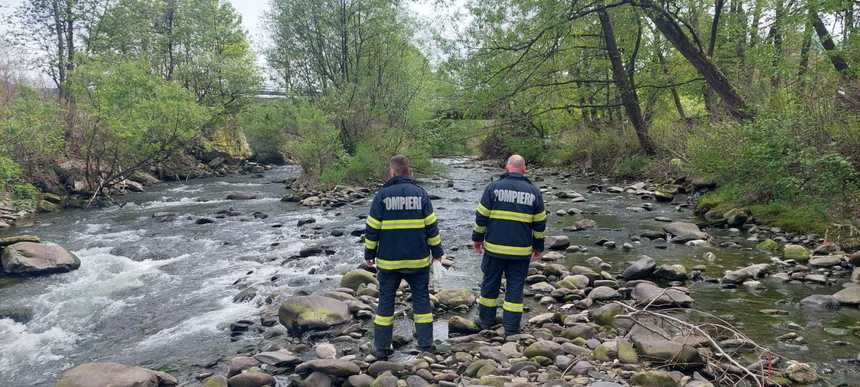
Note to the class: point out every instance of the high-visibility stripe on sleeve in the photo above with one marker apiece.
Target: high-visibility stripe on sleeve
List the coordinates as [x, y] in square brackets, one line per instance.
[423, 318]
[480, 229]
[488, 302]
[538, 234]
[386, 264]
[512, 307]
[540, 216]
[430, 219]
[384, 321]
[483, 210]
[373, 222]
[370, 245]
[507, 250]
[434, 241]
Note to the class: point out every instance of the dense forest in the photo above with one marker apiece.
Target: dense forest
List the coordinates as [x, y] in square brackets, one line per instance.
[759, 97]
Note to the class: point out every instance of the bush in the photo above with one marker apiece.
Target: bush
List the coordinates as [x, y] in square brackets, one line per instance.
[10, 171]
[309, 138]
[31, 131]
[370, 160]
[263, 124]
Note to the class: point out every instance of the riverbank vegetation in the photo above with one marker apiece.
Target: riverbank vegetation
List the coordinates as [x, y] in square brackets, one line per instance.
[135, 87]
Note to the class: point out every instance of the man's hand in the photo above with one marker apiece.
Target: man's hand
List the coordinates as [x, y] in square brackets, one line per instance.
[439, 258]
[371, 263]
[479, 247]
[536, 255]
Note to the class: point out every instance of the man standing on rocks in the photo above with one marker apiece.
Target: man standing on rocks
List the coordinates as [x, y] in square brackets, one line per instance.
[402, 235]
[509, 229]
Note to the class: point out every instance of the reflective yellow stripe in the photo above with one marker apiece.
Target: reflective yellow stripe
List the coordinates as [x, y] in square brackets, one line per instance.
[538, 235]
[540, 217]
[423, 318]
[401, 224]
[488, 302]
[483, 210]
[430, 219]
[384, 321]
[512, 307]
[402, 264]
[370, 245]
[480, 229]
[511, 215]
[373, 222]
[434, 241]
[507, 250]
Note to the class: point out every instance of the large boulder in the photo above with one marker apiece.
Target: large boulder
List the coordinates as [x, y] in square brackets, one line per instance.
[683, 232]
[453, 298]
[647, 293]
[252, 379]
[641, 269]
[557, 242]
[29, 258]
[18, 239]
[736, 217]
[301, 313]
[114, 375]
[356, 278]
[654, 347]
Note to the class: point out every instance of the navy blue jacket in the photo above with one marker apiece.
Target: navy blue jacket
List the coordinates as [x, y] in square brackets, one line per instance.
[402, 232]
[511, 218]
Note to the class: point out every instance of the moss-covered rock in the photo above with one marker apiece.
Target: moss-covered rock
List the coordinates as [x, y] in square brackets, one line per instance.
[796, 252]
[312, 312]
[768, 245]
[654, 379]
[358, 278]
[605, 315]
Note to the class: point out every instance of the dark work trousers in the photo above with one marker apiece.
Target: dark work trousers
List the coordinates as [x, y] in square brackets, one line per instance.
[389, 282]
[515, 272]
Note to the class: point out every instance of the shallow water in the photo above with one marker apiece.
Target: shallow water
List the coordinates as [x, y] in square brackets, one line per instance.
[159, 294]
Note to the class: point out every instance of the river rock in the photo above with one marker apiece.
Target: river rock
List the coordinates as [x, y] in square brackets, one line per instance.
[325, 351]
[749, 272]
[358, 278]
[671, 273]
[604, 293]
[796, 252]
[605, 315]
[545, 348]
[648, 293]
[114, 375]
[453, 298]
[335, 367]
[558, 242]
[216, 381]
[459, 324]
[801, 373]
[583, 224]
[381, 367]
[301, 313]
[654, 379]
[278, 358]
[362, 380]
[29, 258]
[825, 261]
[849, 295]
[574, 282]
[242, 196]
[252, 379]
[238, 364]
[684, 232]
[820, 301]
[317, 379]
[642, 268]
[18, 239]
[768, 245]
[736, 217]
[384, 380]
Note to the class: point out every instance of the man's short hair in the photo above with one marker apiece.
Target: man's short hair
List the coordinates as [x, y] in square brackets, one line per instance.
[400, 165]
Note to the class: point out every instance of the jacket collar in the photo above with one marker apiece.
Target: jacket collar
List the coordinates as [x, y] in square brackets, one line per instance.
[511, 175]
[399, 180]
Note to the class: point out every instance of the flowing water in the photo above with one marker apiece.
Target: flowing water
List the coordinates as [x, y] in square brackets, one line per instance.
[156, 289]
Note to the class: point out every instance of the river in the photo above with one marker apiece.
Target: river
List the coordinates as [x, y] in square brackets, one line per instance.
[156, 288]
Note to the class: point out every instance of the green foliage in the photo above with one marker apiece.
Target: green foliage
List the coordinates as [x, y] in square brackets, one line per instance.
[25, 196]
[133, 114]
[773, 158]
[10, 171]
[31, 131]
[632, 166]
[263, 124]
[307, 135]
[445, 137]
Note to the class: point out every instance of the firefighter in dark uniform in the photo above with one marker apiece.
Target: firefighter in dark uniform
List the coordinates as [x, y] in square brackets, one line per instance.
[402, 236]
[509, 229]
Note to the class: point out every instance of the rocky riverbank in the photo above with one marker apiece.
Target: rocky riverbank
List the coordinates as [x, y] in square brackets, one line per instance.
[600, 311]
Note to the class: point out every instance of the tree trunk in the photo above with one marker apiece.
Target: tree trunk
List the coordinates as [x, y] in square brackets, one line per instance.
[629, 98]
[776, 33]
[709, 97]
[715, 78]
[676, 98]
[836, 57]
[804, 53]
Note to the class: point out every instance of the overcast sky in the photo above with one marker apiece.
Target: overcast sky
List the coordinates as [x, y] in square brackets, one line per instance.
[433, 17]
